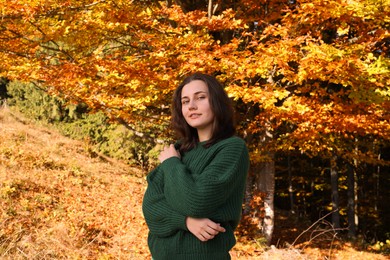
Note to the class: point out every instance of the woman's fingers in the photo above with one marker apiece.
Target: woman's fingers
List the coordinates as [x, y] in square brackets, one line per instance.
[215, 226]
[204, 229]
[168, 152]
[205, 236]
[210, 232]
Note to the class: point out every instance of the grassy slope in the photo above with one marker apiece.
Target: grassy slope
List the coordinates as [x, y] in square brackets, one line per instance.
[56, 201]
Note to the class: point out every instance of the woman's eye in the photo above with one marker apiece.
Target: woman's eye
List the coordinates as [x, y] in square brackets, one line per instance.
[184, 102]
[201, 97]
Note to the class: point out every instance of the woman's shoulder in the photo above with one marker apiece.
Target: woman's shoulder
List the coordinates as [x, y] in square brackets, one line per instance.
[233, 147]
[233, 140]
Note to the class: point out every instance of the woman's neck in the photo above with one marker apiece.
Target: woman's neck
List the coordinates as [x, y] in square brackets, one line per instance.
[204, 136]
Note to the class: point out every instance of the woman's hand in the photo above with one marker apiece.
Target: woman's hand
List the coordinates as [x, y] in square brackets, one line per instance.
[168, 152]
[203, 228]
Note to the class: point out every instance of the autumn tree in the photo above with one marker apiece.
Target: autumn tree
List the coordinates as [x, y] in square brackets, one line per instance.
[307, 76]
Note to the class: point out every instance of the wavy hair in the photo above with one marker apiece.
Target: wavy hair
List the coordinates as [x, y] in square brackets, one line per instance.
[221, 105]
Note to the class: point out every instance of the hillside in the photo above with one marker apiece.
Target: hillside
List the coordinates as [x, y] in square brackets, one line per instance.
[58, 200]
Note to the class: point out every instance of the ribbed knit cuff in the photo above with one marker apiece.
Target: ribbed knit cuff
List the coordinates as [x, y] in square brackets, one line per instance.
[169, 163]
[179, 220]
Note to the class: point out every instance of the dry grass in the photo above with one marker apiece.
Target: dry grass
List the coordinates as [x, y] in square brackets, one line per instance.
[58, 201]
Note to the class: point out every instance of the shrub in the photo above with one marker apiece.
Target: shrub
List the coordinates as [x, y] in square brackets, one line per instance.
[78, 122]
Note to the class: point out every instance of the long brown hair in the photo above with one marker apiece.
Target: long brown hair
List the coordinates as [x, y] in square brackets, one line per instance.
[220, 104]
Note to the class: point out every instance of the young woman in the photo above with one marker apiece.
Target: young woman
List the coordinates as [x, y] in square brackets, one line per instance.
[194, 197]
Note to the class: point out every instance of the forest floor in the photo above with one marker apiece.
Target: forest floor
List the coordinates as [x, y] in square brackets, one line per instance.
[59, 199]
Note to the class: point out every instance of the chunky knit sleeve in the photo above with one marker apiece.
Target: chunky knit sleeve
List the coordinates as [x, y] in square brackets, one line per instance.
[161, 219]
[216, 179]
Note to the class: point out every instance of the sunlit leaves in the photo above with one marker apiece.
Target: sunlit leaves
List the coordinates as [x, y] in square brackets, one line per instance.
[371, 9]
[315, 72]
[226, 20]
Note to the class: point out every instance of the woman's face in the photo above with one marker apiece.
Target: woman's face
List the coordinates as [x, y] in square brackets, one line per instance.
[196, 109]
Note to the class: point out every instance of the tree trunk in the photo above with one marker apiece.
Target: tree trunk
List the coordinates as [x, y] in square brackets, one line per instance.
[351, 214]
[356, 189]
[266, 184]
[210, 9]
[248, 194]
[335, 192]
[377, 185]
[290, 186]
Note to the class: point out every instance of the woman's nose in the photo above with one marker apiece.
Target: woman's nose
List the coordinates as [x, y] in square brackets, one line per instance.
[192, 105]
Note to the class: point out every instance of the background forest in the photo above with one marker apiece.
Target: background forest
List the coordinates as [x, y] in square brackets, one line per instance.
[310, 82]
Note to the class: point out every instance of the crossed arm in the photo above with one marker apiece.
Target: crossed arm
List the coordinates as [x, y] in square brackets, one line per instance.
[166, 221]
[167, 203]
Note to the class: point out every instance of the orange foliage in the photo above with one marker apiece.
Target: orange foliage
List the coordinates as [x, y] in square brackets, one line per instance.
[318, 71]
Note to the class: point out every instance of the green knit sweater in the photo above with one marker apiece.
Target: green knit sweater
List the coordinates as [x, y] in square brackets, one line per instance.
[204, 183]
